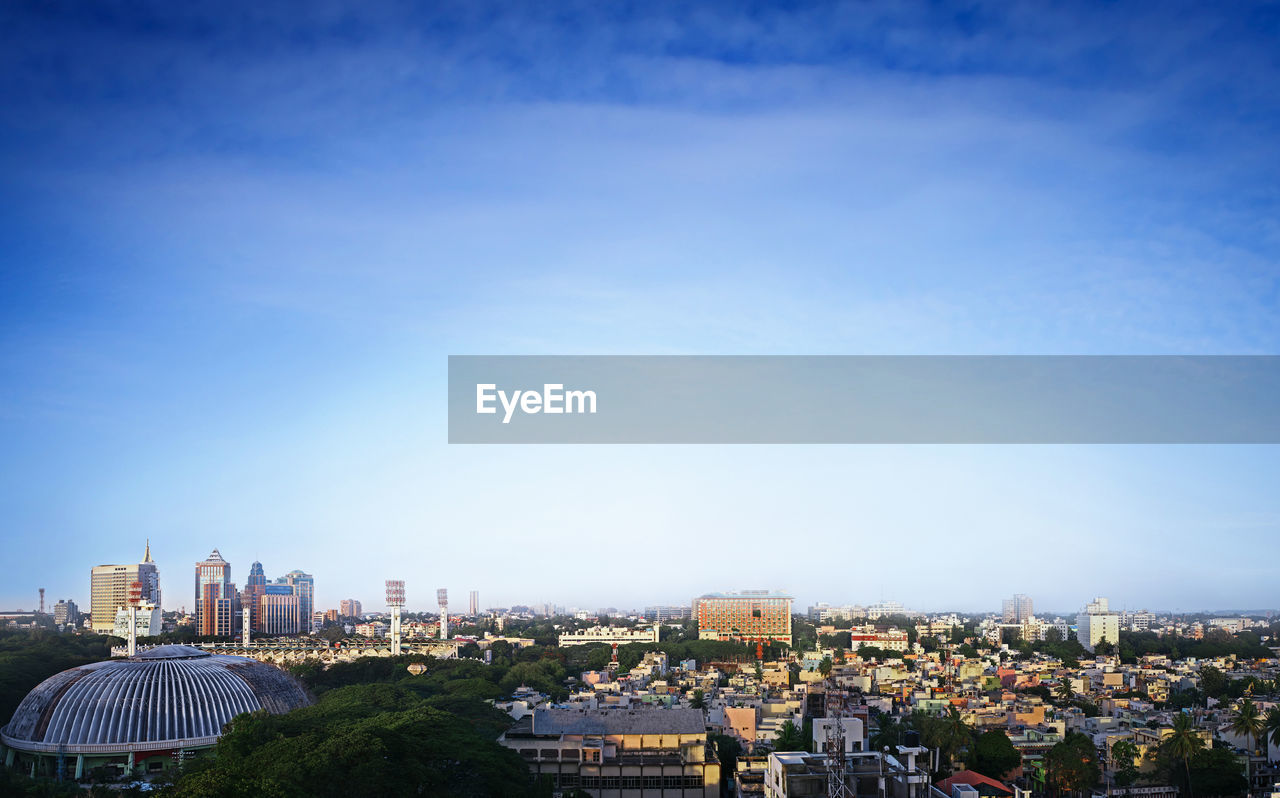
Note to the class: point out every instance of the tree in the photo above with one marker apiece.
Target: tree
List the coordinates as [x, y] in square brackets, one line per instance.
[888, 733]
[993, 754]
[824, 667]
[370, 739]
[1125, 755]
[1248, 722]
[1064, 691]
[1212, 681]
[728, 749]
[1073, 764]
[789, 738]
[698, 702]
[1104, 647]
[1183, 744]
[1273, 725]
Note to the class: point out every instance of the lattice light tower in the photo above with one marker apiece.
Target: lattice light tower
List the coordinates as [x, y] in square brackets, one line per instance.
[442, 598]
[395, 600]
[135, 598]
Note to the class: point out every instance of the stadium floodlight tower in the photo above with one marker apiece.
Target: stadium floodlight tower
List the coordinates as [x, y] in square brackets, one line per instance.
[246, 625]
[395, 600]
[442, 598]
[135, 598]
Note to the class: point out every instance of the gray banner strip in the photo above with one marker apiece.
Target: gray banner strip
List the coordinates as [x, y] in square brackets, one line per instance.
[864, 399]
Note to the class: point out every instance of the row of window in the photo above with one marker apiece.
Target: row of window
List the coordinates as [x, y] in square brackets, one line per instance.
[573, 780]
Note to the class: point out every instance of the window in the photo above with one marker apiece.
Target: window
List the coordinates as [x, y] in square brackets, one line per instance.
[652, 782]
[589, 782]
[610, 782]
[631, 782]
[672, 782]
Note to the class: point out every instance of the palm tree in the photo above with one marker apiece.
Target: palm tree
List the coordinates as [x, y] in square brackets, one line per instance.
[1065, 693]
[1272, 722]
[1248, 722]
[824, 667]
[1184, 743]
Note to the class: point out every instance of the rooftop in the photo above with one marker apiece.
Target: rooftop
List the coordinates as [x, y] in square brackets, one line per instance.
[616, 721]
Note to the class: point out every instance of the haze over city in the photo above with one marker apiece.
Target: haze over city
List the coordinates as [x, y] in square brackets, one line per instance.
[239, 248]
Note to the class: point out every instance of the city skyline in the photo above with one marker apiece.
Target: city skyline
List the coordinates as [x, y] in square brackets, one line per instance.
[428, 604]
[241, 246]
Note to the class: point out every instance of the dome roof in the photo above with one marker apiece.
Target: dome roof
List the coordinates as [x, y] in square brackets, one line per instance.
[164, 698]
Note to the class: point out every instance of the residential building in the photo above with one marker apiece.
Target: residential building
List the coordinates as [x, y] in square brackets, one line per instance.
[610, 635]
[1018, 609]
[749, 615]
[663, 752]
[474, 603]
[883, 608]
[66, 613]
[109, 589]
[1097, 623]
[350, 608]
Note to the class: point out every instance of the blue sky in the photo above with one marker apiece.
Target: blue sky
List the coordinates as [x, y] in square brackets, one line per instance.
[237, 246]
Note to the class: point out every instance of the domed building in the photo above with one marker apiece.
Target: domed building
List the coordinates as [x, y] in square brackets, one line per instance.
[141, 714]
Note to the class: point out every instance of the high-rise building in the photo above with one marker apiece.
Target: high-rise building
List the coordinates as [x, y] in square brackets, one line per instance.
[304, 587]
[66, 613]
[747, 615]
[254, 586]
[279, 610]
[215, 597]
[109, 589]
[1097, 623]
[350, 608]
[1018, 609]
[475, 603]
[331, 616]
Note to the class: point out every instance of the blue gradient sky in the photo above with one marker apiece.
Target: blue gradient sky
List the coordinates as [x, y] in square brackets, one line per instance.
[236, 248]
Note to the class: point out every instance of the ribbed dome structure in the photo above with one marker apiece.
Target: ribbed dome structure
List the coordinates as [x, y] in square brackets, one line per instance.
[164, 698]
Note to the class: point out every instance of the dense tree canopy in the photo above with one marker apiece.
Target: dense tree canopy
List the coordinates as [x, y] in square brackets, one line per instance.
[373, 739]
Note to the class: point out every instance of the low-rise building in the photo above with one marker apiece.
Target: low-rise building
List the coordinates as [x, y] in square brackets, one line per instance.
[663, 752]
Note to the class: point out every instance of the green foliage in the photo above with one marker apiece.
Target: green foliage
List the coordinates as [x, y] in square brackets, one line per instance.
[371, 739]
[1072, 764]
[1245, 645]
[29, 657]
[790, 738]
[1125, 754]
[993, 754]
[728, 749]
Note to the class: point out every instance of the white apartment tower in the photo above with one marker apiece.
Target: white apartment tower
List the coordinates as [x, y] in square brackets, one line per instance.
[1097, 623]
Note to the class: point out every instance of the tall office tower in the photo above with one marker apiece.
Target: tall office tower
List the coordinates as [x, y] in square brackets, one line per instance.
[1018, 609]
[304, 587]
[475, 603]
[279, 610]
[350, 608]
[747, 615]
[1097, 623]
[66, 613]
[214, 589]
[254, 587]
[109, 590]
